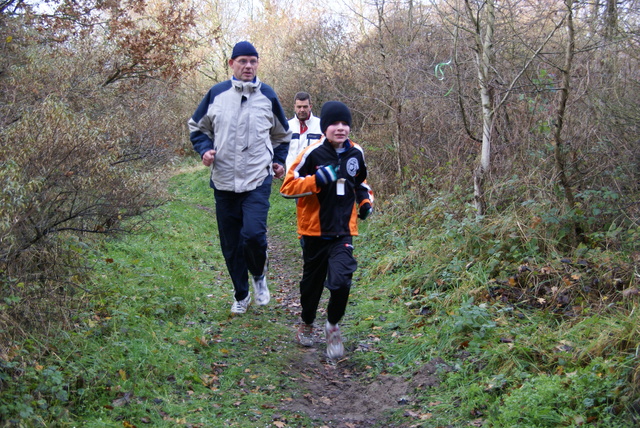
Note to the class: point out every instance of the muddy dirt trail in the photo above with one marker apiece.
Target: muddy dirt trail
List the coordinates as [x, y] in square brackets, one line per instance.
[336, 393]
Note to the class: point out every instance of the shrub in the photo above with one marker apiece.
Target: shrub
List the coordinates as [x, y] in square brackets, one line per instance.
[591, 393]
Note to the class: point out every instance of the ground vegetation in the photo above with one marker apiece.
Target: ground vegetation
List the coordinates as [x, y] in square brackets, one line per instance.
[499, 272]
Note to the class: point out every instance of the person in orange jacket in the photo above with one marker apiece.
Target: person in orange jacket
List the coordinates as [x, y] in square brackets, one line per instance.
[328, 179]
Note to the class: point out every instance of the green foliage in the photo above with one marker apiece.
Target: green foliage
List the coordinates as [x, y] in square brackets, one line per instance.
[77, 158]
[156, 338]
[40, 393]
[473, 318]
[509, 300]
[477, 295]
[588, 394]
[64, 182]
[155, 343]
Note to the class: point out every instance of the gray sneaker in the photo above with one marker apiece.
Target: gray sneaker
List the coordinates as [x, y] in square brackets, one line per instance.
[240, 306]
[335, 349]
[261, 290]
[305, 334]
[260, 286]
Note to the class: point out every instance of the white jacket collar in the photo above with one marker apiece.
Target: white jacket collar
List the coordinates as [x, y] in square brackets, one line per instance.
[245, 87]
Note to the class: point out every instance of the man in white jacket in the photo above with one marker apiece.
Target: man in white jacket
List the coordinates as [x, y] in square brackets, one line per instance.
[305, 127]
[240, 130]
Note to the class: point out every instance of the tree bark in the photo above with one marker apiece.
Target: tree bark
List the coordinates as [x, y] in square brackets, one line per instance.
[559, 147]
[484, 55]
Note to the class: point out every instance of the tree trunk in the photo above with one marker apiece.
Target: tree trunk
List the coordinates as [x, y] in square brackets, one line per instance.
[559, 148]
[484, 57]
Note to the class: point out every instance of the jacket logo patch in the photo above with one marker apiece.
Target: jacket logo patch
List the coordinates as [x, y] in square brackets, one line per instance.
[352, 167]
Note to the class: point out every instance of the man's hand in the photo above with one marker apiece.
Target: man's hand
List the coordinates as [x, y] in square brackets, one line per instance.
[208, 157]
[278, 170]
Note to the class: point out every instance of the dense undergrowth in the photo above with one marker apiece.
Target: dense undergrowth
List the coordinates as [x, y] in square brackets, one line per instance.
[531, 335]
[525, 334]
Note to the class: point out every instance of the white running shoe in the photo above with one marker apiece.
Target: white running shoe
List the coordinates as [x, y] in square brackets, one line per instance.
[240, 306]
[305, 334]
[261, 290]
[335, 349]
[260, 286]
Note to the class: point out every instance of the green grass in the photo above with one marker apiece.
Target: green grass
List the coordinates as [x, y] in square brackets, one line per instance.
[156, 345]
[166, 337]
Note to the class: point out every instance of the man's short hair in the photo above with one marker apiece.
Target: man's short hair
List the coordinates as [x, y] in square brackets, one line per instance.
[302, 96]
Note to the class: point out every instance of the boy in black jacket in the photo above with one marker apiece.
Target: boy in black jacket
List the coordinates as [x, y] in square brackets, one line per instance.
[328, 178]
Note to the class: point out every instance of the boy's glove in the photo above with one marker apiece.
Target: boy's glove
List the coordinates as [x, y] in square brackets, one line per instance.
[364, 211]
[326, 175]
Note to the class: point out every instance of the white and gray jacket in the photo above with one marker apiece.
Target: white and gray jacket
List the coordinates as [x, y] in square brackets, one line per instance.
[246, 125]
[301, 141]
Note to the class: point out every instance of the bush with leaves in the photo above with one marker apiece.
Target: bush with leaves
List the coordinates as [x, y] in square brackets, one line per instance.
[89, 121]
[589, 395]
[64, 178]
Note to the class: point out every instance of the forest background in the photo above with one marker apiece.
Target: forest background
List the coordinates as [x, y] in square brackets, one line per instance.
[501, 137]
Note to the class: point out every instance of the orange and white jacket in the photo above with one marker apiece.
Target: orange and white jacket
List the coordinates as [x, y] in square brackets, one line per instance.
[329, 211]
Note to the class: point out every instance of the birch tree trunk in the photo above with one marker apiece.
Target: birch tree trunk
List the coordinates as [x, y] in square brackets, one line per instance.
[484, 55]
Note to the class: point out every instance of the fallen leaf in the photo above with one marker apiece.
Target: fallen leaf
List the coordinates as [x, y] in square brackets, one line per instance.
[208, 379]
[124, 400]
[535, 221]
[325, 400]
